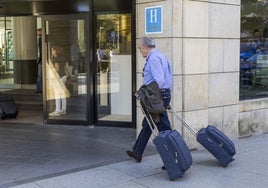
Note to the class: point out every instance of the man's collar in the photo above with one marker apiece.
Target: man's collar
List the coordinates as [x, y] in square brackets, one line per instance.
[150, 52]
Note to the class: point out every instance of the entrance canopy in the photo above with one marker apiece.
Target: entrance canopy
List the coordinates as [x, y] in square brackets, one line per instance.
[42, 7]
[53, 7]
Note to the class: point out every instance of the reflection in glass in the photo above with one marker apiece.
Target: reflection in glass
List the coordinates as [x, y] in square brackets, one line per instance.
[254, 50]
[113, 58]
[66, 85]
[6, 51]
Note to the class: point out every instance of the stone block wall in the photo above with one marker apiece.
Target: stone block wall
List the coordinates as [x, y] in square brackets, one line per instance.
[201, 39]
[253, 117]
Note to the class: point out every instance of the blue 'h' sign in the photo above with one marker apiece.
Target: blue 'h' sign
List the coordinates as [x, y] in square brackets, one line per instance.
[153, 20]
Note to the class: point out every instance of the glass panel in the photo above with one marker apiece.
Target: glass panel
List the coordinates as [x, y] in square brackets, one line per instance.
[114, 67]
[6, 52]
[254, 49]
[66, 78]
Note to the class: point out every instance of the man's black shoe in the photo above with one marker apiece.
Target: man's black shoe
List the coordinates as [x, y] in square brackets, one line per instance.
[134, 156]
[163, 168]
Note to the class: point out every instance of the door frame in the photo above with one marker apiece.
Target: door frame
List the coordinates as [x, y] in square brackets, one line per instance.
[88, 67]
[97, 122]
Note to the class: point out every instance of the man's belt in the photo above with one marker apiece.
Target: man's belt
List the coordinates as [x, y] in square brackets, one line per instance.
[163, 90]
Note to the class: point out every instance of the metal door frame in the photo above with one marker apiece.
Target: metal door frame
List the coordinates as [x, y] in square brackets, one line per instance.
[97, 122]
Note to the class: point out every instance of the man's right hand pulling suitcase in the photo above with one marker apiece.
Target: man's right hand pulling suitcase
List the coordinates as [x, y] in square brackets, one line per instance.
[173, 150]
[214, 140]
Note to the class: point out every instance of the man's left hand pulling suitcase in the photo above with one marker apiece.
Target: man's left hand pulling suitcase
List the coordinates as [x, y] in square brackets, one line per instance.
[8, 108]
[173, 150]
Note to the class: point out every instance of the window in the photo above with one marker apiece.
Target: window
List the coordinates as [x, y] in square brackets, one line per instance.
[254, 49]
[113, 34]
[6, 51]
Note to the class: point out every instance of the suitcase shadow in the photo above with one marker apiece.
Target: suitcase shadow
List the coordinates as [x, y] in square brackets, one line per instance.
[207, 162]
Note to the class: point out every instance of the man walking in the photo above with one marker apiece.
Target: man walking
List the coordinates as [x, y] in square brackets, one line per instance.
[157, 68]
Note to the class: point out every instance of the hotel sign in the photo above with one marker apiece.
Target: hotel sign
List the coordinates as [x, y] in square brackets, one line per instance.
[153, 20]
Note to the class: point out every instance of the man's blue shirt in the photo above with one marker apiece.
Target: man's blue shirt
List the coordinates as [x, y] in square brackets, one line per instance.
[157, 68]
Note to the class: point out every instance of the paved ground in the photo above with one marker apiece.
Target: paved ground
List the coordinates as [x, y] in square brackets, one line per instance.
[31, 152]
[33, 155]
[249, 170]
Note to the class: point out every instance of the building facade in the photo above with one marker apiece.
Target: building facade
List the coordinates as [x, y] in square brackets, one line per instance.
[202, 40]
[217, 80]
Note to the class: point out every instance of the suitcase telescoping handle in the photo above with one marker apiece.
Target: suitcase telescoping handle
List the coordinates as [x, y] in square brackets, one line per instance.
[149, 119]
[183, 121]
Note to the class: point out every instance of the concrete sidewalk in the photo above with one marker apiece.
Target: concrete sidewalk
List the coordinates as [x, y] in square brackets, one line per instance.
[249, 170]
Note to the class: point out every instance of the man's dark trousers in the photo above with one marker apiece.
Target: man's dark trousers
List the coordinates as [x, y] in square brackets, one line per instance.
[146, 131]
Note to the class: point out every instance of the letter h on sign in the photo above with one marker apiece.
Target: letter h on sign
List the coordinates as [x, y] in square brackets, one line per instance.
[153, 20]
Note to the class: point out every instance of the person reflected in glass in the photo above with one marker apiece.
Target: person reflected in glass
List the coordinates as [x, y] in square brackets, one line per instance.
[61, 67]
[100, 53]
[75, 57]
[255, 41]
[39, 62]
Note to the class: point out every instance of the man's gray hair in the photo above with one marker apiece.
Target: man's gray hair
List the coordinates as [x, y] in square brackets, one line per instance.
[147, 41]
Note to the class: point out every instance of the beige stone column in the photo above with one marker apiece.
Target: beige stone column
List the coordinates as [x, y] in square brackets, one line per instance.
[25, 50]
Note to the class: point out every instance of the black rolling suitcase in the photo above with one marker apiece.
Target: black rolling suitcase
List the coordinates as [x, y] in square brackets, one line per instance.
[8, 108]
[214, 140]
[173, 150]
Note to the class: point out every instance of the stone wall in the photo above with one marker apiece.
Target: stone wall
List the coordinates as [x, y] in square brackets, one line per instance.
[201, 39]
[253, 117]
